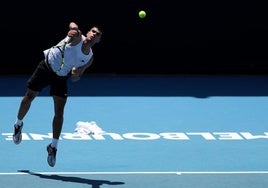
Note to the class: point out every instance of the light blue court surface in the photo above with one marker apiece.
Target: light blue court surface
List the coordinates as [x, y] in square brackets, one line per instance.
[161, 131]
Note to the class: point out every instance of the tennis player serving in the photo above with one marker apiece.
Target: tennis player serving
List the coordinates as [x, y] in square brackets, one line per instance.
[68, 59]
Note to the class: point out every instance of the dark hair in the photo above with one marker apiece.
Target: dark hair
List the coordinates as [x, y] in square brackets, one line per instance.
[98, 27]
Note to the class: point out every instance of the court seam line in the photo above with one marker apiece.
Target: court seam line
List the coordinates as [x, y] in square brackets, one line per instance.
[177, 173]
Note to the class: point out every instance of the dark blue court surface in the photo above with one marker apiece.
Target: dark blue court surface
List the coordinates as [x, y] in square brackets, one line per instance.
[161, 131]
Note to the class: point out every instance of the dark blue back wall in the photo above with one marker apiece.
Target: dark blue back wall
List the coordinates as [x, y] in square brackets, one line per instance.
[174, 38]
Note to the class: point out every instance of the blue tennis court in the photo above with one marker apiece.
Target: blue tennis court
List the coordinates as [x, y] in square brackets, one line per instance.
[161, 131]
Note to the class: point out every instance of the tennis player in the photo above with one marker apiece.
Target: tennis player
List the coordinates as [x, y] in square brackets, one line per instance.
[68, 59]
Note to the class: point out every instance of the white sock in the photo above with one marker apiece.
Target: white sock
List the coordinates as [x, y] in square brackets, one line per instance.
[54, 143]
[18, 122]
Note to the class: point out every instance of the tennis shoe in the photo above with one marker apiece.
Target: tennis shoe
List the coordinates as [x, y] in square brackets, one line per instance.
[17, 137]
[51, 155]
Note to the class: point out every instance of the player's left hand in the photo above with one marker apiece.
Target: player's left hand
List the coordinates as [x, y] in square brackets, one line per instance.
[77, 71]
[75, 74]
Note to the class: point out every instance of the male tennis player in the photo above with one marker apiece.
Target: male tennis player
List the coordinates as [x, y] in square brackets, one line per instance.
[69, 58]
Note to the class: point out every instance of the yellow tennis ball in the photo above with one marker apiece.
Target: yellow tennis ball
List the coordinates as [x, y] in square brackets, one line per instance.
[142, 14]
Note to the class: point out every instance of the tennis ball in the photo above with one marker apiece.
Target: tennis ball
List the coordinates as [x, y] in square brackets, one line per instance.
[142, 14]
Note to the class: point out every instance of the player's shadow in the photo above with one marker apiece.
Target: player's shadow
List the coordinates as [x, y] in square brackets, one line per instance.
[93, 183]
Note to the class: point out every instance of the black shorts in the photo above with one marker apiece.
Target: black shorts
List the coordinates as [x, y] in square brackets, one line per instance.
[43, 76]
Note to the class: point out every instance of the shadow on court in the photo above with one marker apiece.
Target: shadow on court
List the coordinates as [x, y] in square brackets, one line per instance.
[72, 179]
[171, 180]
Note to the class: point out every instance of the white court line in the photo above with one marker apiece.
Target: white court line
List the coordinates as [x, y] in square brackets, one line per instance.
[107, 173]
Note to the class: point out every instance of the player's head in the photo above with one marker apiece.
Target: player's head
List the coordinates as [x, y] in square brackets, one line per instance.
[94, 34]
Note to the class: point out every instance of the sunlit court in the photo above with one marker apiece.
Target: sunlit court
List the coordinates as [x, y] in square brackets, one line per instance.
[160, 131]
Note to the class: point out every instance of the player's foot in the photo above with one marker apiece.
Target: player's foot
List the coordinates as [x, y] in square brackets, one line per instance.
[17, 137]
[51, 155]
